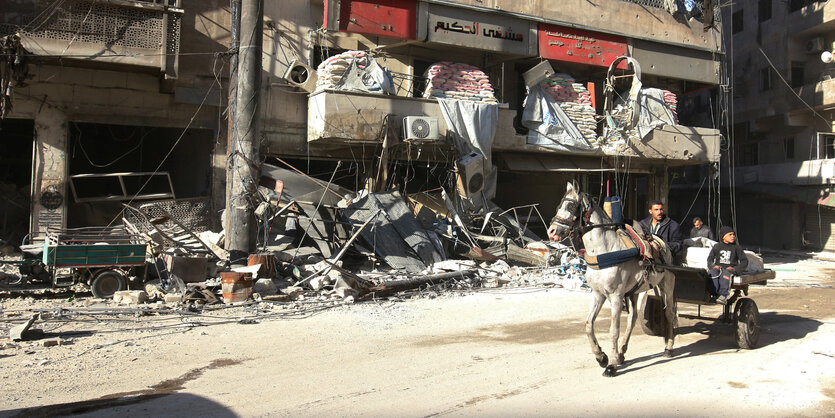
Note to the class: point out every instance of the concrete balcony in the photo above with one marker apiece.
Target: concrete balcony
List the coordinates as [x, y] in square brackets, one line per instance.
[136, 33]
[336, 117]
[800, 173]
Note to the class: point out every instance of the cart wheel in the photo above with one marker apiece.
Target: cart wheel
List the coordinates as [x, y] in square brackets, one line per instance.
[747, 323]
[652, 318]
[107, 283]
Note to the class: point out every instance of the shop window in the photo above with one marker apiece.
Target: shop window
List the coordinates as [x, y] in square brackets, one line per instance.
[736, 22]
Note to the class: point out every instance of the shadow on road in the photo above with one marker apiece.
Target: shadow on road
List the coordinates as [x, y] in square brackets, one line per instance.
[159, 404]
[774, 328]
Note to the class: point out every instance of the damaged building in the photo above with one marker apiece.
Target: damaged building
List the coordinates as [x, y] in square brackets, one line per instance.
[113, 102]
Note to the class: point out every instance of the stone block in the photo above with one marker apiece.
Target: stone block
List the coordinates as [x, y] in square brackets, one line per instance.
[172, 298]
[265, 287]
[130, 297]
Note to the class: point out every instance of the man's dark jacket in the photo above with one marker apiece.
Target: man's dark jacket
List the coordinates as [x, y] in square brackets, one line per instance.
[704, 232]
[668, 231]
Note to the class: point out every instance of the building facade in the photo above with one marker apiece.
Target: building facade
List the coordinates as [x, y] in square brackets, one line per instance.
[117, 101]
[780, 127]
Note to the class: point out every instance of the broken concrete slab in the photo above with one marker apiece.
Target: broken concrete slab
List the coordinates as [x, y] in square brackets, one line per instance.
[25, 332]
[130, 297]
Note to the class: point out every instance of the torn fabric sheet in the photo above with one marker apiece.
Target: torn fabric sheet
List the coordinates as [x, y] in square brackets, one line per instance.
[549, 126]
[473, 128]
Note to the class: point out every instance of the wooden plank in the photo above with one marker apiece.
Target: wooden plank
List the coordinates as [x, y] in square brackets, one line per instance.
[407, 226]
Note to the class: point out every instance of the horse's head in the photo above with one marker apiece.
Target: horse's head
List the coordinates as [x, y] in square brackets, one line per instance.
[569, 213]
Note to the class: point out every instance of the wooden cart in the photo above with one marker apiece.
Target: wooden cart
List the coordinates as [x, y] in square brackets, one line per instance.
[693, 286]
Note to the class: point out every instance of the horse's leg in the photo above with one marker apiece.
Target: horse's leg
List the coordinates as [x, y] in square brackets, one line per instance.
[616, 304]
[597, 300]
[668, 288]
[630, 325]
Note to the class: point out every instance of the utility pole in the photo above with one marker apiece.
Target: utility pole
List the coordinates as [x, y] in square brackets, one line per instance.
[243, 164]
[232, 97]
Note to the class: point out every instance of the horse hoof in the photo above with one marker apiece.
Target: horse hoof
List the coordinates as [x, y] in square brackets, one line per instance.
[668, 353]
[610, 371]
[603, 361]
[620, 359]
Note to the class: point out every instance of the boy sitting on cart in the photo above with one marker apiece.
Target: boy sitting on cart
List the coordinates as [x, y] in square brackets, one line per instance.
[725, 260]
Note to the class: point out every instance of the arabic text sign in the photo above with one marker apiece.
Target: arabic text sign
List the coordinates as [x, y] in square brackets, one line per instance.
[580, 46]
[479, 30]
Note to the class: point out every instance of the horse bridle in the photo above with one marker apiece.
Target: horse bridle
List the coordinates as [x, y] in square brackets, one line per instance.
[577, 210]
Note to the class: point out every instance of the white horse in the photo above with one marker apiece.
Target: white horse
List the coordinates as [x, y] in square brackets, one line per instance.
[620, 284]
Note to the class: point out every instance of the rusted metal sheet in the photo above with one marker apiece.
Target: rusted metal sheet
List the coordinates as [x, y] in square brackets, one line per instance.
[580, 46]
[486, 31]
[390, 18]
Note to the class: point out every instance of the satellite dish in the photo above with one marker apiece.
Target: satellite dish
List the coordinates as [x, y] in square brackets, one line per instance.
[826, 57]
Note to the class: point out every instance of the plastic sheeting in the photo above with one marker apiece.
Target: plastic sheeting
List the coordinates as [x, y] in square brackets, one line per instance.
[472, 126]
[355, 71]
[549, 125]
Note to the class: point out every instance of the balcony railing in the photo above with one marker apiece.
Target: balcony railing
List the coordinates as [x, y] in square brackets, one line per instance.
[142, 32]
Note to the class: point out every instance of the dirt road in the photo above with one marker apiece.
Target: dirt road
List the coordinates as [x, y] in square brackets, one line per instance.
[494, 353]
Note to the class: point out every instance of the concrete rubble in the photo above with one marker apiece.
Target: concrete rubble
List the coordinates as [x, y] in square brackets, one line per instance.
[380, 246]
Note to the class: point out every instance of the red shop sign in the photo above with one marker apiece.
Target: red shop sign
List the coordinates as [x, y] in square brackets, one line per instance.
[388, 18]
[580, 46]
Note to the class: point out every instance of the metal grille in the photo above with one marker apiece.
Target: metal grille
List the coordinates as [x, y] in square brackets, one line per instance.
[96, 22]
[649, 3]
[194, 214]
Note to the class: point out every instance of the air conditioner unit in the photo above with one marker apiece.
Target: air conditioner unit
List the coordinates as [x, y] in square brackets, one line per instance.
[302, 76]
[420, 128]
[470, 174]
[815, 45]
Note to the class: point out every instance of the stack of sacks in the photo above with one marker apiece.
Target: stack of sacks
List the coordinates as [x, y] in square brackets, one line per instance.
[453, 80]
[575, 101]
[672, 103]
[332, 70]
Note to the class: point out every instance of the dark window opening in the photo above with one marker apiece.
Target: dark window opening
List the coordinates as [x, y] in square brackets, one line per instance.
[748, 154]
[419, 81]
[737, 22]
[798, 76]
[788, 148]
[828, 146]
[764, 10]
[765, 79]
